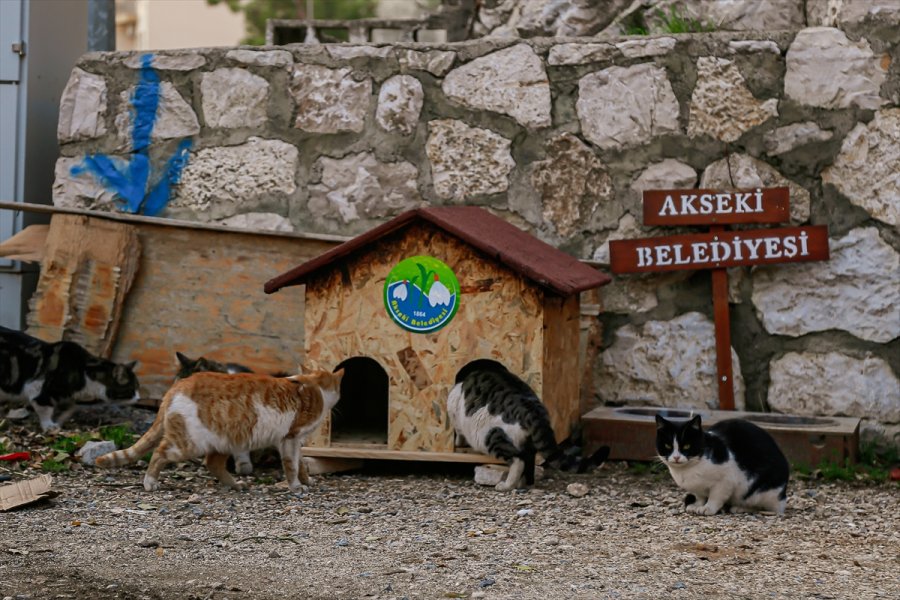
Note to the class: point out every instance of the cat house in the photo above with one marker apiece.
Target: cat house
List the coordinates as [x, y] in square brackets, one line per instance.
[405, 306]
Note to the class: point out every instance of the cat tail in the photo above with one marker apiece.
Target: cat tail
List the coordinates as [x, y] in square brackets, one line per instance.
[146, 443]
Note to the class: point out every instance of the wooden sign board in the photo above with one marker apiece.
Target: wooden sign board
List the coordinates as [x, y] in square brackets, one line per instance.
[719, 250]
[716, 207]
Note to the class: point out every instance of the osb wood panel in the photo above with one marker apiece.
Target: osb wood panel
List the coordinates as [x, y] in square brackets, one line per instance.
[499, 317]
[201, 292]
[88, 268]
[561, 336]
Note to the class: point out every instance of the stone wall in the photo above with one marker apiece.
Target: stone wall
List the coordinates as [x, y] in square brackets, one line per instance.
[558, 136]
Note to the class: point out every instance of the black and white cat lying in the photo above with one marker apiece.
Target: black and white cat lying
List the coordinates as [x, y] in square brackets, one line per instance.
[734, 465]
[499, 414]
[59, 376]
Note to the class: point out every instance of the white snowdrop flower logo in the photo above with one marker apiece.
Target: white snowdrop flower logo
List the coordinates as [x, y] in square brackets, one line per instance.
[439, 294]
[400, 292]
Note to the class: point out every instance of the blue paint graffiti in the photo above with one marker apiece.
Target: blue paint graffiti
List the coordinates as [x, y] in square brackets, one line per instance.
[130, 179]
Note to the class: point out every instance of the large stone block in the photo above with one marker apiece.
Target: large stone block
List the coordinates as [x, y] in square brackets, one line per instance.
[329, 100]
[358, 186]
[839, 13]
[218, 181]
[790, 137]
[436, 62]
[826, 69]
[743, 171]
[722, 105]
[576, 53]
[467, 160]
[665, 363]
[626, 106]
[82, 108]
[511, 81]
[80, 189]
[261, 58]
[855, 291]
[867, 170]
[174, 117]
[234, 98]
[399, 104]
[573, 183]
[834, 384]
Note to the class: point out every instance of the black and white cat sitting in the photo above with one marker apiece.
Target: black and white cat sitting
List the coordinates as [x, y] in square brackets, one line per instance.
[734, 465]
[58, 377]
[499, 414]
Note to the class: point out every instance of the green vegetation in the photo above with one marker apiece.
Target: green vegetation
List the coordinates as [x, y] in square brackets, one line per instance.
[874, 466]
[71, 443]
[675, 21]
[256, 12]
[121, 435]
[52, 465]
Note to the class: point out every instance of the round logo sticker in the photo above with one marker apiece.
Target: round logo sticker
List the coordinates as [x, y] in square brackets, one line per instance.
[421, 294]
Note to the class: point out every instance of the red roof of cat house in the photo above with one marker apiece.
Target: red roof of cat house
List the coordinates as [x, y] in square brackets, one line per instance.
[372, 308]
[525, 254]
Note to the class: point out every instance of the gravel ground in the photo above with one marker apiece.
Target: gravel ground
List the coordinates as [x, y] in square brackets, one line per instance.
[405, 530]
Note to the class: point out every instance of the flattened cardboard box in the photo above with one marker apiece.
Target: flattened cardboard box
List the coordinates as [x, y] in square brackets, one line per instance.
[25, 492]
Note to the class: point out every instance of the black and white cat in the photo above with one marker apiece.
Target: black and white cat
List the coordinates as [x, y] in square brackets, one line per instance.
[60, 376]
[497, 413]
[734, 465]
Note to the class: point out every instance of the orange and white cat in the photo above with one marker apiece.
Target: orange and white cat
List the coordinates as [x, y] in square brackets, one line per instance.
[218, 414]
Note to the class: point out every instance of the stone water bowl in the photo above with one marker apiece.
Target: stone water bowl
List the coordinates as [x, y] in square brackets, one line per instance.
[718, 415]
[667, 413]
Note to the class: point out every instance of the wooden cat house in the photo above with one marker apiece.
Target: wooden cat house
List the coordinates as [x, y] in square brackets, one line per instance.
[405, 306]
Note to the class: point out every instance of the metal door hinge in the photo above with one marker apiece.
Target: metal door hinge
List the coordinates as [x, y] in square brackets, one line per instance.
[18, 48]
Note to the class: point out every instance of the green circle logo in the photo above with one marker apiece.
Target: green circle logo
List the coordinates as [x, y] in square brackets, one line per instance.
[421, 294]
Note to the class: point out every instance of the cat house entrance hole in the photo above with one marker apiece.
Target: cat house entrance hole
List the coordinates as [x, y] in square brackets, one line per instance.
[361, 414]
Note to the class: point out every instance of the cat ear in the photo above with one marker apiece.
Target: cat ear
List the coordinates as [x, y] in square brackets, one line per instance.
[302, 368]
[183, 360]
[660, 422]
[695, 423]
[339, 373]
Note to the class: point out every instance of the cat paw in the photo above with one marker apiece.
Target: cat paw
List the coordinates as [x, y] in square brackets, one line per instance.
[150, 484]
[238, 486]
[243, 468]
[504, 486]
[706, 509]
[51, 428]
[299, 488]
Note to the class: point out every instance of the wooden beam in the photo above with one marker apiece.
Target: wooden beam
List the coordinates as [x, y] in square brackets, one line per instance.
[27, 245]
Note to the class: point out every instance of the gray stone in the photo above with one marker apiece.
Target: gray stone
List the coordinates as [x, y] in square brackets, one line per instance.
[188, 61]
[867, 170]
[234, 98]
[261, 221]
[734, 15]
[217, 181]
[436, 62]
[89, 453]
[261, 58]
[666, 174]
[329, 100]
[655, 46]
[626, 106]
[790, 137]
[839, 13]
[855, 291]
[82, 108]
[748, 172]
[753, 46]
[399, 104]
[175, 118]
[348, 52]
[827, 70]
[578, 53]
[665, 363]
[358, 186]
[721, 105]
[628, 228]
[577, 490]
[511, 81]
[572, 182]
[81, 189]
[834, 384]
[467, 160]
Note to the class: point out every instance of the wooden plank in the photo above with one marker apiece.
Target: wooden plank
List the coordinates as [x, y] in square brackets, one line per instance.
[720, 250]
[200, 291]
[122, 217]
[27, 245]
[561, 375]
[724, 375]
[464, 457]
[716, 207]
[88, 269]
